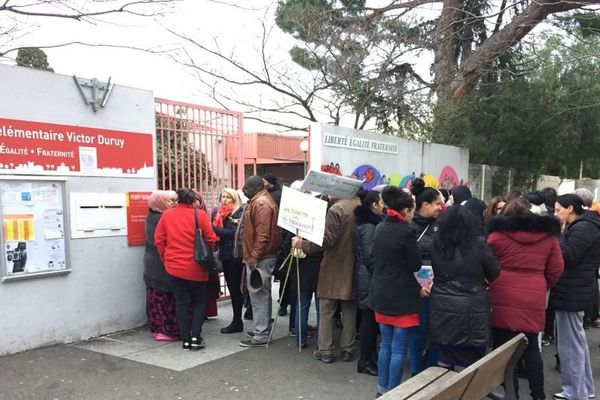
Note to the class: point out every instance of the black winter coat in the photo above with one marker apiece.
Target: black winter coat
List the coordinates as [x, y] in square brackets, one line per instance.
[308, 267]
[276, 192]
[580, 245]
[364, 262]
[155, 275]
[419, 225]
[459, 305]
[226, 234]
[394, 289]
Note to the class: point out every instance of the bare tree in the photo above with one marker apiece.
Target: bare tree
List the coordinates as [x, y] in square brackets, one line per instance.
[17, 18]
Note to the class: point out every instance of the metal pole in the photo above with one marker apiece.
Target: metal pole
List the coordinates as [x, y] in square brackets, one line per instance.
[305, 164]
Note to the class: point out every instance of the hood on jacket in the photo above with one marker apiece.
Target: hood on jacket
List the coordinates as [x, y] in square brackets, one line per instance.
[527, 228]
[589, 217]
[362, 215]
[460, 194]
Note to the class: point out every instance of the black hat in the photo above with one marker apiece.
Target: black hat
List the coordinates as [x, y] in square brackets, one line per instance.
[272, 179]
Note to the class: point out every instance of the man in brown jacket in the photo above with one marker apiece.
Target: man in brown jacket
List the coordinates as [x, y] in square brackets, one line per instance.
[336, 279]
[262, 240]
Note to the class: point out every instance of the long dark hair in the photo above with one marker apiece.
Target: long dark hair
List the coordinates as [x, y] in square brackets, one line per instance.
[456, 230]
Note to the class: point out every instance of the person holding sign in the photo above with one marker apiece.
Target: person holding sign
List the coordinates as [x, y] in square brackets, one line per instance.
[336, 279]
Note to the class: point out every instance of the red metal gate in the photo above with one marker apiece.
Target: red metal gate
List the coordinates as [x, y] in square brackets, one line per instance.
[200, 148]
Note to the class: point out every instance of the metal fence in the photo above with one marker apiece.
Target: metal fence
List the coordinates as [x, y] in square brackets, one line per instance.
[201, 148]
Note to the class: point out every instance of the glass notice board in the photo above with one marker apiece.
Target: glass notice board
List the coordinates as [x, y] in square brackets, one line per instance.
[33, 228]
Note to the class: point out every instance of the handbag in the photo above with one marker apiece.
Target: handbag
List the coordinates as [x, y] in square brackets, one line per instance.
[202, 254]
[218, 262]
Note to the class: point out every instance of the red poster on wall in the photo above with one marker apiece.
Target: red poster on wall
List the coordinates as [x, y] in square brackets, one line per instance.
[137, 210]
[41, 148]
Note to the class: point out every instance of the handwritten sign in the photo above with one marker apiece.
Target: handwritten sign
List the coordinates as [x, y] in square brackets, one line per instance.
[331, 185]
[302, 214]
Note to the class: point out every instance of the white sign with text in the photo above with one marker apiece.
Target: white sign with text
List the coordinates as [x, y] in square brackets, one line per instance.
[337, 186]
[302, 214]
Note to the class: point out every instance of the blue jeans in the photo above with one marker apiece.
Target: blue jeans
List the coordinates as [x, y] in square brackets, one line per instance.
[418, 341]
[305, 301]
[392, 353]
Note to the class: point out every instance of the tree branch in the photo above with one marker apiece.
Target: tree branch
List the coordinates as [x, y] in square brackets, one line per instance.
[475, 66]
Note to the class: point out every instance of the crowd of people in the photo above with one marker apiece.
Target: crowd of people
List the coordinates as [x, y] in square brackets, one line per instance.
[522, 263]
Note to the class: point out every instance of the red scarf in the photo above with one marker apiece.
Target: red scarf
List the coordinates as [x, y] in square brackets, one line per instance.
[222, 213]
[396, 214]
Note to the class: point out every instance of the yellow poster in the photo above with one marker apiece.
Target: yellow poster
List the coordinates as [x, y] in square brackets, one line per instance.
[18, 227]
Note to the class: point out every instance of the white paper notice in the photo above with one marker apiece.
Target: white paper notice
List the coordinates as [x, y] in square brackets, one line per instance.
[88, 159]
[53, 224]
[302, 214]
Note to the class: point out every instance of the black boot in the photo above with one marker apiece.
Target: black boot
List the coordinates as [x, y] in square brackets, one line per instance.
[248, 314]
[366, 367]
[236, 326]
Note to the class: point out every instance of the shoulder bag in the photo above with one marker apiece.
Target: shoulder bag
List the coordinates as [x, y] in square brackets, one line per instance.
[202, 254]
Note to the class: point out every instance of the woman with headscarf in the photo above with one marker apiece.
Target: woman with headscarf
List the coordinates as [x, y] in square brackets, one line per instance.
[459, 194]
[160, 302]
[225, 222]
[175, 238]
[213, 291]
[573, 293]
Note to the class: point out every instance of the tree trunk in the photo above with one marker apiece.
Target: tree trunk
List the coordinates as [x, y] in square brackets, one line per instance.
[479, 61]
[444, 44]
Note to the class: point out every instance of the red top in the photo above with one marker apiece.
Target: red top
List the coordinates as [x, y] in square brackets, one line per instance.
[399, 321]
[174, 239]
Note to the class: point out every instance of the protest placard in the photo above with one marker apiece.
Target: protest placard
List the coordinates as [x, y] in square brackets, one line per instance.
[337, 186]
[303, 215]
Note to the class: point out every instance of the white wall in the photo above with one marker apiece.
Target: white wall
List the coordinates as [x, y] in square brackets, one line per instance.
[389, 166]
[104, 292]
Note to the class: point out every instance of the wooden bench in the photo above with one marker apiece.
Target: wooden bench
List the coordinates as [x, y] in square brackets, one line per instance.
[475, 382]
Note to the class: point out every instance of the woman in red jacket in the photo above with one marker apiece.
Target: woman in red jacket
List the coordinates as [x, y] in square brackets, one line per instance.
[174, 239]
[531, 262]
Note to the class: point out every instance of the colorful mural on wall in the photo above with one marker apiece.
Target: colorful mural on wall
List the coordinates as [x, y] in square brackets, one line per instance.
[372, 177]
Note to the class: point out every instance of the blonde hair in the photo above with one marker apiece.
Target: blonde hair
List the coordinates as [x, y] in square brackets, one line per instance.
[237, 202]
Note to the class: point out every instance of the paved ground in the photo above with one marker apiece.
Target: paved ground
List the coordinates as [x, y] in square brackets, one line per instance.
[129, 365]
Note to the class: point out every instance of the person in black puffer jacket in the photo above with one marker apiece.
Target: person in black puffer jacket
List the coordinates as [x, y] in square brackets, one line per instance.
[225, 220]
[366, 217]
[574, 292]
[394, 293]
[459, 305]
[429, 203]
